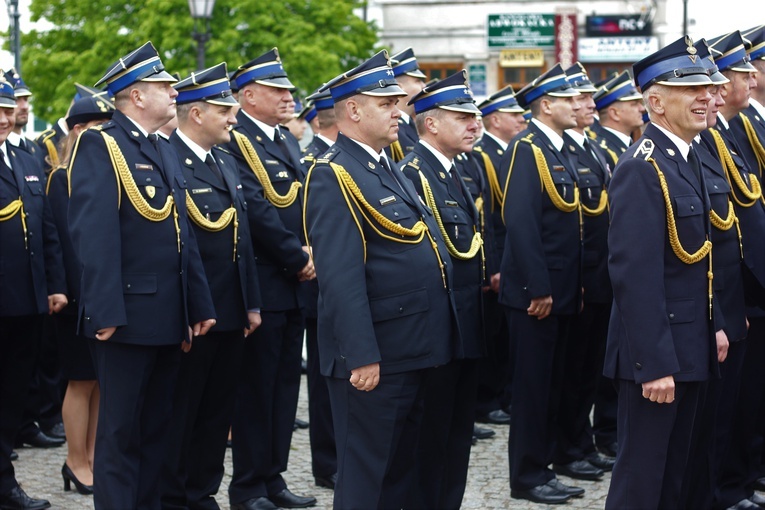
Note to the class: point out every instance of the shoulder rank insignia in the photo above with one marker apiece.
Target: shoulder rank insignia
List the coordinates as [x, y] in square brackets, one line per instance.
[645, 150]
[671, 152]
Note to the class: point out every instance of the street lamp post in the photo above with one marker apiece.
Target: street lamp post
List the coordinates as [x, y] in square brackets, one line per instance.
[13, 12]
[201, 11]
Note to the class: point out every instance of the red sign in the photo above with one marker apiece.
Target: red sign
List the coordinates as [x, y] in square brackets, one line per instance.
[565, 39]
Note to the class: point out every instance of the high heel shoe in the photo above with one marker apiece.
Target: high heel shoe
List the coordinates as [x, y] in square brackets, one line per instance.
[68, 475]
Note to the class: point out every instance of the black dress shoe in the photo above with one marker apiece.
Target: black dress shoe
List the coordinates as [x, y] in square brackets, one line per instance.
[301, 424]
[744, 504]
[609, 450]
[40, 440]
[56, 430]
[571, 490]
[286, 499]
[17, 499]
[757, 500]
[579, 469]
[70, 478]
[482, 433]
[14, 456]
[326, 481]
[547, 494]
[601, 461]
[255, 504]
[498, 417]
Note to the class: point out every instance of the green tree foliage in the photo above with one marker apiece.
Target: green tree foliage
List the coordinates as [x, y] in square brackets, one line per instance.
[317, 40]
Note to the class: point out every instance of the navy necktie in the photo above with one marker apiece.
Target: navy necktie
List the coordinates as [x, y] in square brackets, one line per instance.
[214, 166]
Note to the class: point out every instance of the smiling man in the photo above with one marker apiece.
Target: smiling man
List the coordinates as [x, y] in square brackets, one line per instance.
[386, 311]
[661, 339]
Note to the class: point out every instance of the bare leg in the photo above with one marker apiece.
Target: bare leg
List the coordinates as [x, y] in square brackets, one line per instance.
[93, 423]
[76, 414]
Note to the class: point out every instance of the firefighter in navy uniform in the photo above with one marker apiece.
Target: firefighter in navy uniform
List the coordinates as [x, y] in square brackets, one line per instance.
[143, 287]
[32, 285]
[268, 157]
[445, 115]
[412, 80]
[204, 399]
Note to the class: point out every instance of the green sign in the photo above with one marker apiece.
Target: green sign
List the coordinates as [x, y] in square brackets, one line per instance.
[521, 30]
[477, 78]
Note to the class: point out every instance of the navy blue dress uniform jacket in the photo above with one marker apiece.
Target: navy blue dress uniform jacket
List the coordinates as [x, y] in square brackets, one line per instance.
[727, 255]
[276, 232]
[225, 275]
[491, 148]
[380, 301]
[536, 265]
[660, 322]
[133, 275]
[28, 273]
[744, 144]
[460, 219]
[611, 144]
[593, 175]
[58, 197]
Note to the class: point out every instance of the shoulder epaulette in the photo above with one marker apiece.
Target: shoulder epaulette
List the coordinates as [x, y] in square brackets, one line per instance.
[414, 163]
[222, 149]
[528, 138]
[592, 134]
[478, 148]
[644, 150]
[328, 156]
[45, 135]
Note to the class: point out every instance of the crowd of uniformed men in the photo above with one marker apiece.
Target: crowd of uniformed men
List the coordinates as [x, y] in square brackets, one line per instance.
[567, 246]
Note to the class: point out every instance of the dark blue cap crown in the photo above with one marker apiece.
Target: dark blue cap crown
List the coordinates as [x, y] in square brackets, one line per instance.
[374, 77]
[85, 91]
[404, 62]
[677, 64]
[733, 55]
[451, 93]
[501, 101]
[754, 40]
[142, 64]
[7, 96]
[322, 99]
[620, 88]
[552, 83]
[266, 69]
[707, 56]
[210, 85]
[19, 87]
[89, 108]
[577, 76]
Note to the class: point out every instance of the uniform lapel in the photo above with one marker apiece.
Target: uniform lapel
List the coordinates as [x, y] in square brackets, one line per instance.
[17, 168]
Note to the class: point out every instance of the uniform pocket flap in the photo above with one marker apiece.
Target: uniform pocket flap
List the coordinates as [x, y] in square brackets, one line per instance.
[681, 310]
[399, 305]
[688, 205]
[139, 283]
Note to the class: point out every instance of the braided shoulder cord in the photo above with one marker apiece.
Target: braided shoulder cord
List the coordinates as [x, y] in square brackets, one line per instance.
[491, 175]
[396, 151]
[602, 205]
[134, 195]
[11, 210]
[754, 141]
[725, 224]
[253, 161]
[547, 181]
[416, 233]
[475, 245]
[731, 172]
[213, 226]
[674, 238]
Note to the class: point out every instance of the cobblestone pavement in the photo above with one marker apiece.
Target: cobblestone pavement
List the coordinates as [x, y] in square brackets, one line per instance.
[39, 472]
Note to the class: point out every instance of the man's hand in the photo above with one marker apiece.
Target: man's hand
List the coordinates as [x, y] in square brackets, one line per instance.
[722, 345]
[661, 391]
[540, 307]
[254, 319]
[494, 282]
[56, 302]
[105, 334]
[308, 272]
[365, 378]
[201, 328]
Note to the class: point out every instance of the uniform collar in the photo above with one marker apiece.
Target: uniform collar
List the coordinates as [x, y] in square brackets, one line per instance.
[577, 137]
[325, 139]
[677, 141]
[376, 156]
[138, 126]
[554, 137]
[445, 162]
[62, 124]
[721, 120]
[14, 139]
[759, 108]
[621, 136]
[195, 148]
[269, 131]
[4, 151]
[501, 143]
